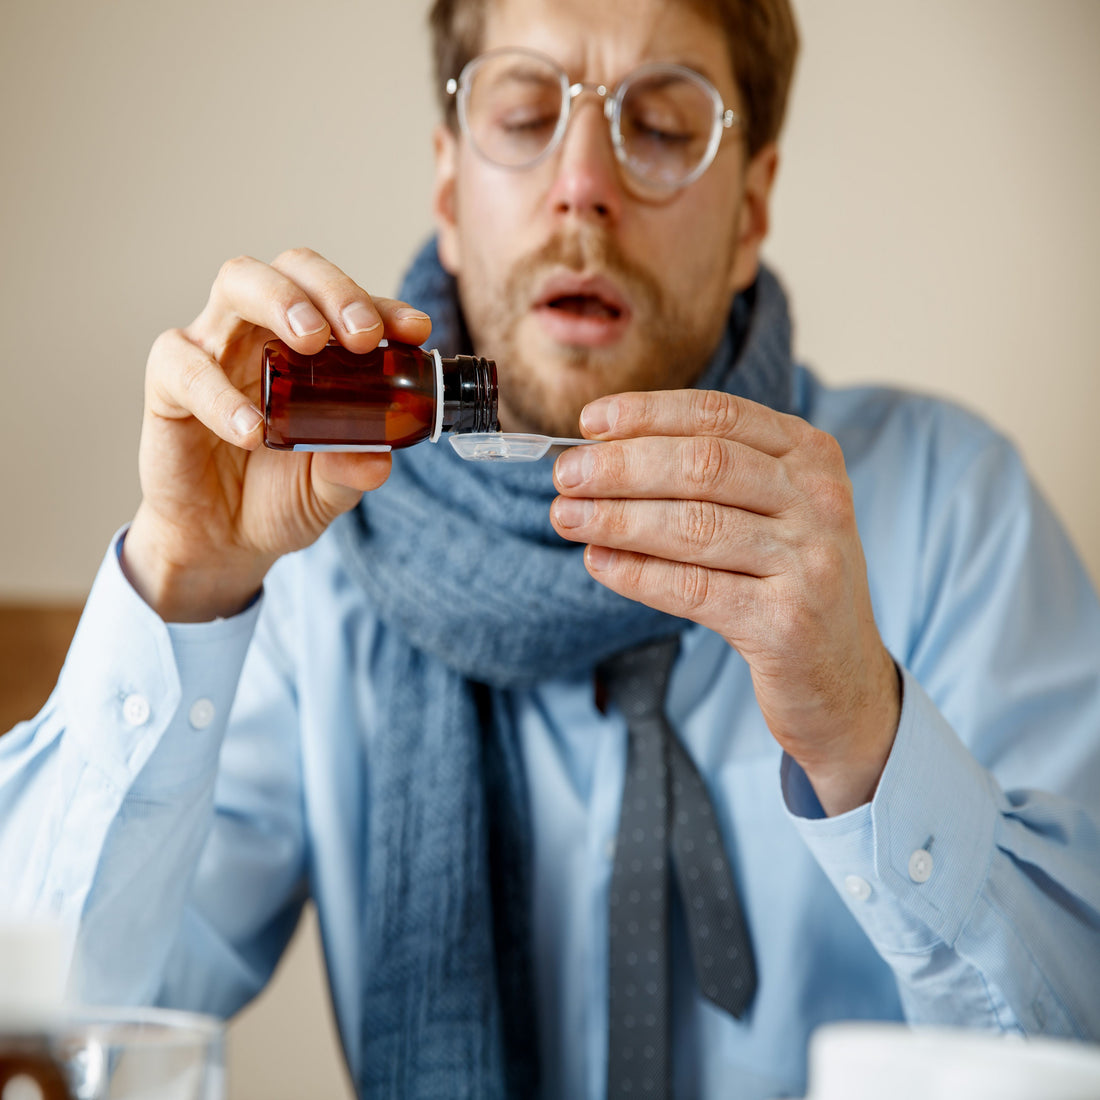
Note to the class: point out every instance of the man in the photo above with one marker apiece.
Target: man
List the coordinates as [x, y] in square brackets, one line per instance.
[885, 660]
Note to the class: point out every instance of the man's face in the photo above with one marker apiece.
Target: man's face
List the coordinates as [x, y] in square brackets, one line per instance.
[572, 284]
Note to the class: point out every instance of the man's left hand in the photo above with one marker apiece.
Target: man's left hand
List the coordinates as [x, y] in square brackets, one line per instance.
[720, 510]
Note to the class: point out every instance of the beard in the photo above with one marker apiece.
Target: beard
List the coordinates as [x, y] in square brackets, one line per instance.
[544, 388]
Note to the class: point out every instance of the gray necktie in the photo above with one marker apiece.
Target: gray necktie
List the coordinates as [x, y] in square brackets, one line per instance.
[666, 810]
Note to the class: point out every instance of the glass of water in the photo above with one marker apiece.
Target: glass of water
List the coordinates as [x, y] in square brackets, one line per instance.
[114, 1054]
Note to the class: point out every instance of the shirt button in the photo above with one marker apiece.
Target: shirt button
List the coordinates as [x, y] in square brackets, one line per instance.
[920, 865]
[201, 714]
[858, 888]
[136, 710]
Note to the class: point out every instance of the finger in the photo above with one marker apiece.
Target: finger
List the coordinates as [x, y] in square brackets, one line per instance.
[182, 380]
[403, 321]
[357, 319]
[694, 531]
[703, 467]
[691, 413]
[338, 481]
[337, 474]
[710, 597]
[254, 293]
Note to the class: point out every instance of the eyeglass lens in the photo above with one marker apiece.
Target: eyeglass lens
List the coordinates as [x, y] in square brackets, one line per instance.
[516, 106]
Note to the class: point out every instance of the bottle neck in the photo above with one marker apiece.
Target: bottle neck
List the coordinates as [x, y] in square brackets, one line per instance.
[470, 394]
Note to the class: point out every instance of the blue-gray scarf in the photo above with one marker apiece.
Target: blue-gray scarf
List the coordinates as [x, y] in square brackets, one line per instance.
[478, 594]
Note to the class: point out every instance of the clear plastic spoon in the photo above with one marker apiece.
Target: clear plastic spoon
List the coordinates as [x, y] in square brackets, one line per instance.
[508, 446]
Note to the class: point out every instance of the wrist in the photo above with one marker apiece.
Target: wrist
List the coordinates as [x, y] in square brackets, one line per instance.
[845, 780]
[181, 587]
[846, 787]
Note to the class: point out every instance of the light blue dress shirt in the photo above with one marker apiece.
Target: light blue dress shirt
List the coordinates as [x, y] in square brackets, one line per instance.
[187, 787]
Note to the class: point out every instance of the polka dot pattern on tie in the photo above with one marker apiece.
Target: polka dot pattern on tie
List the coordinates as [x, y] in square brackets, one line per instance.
[666, 817]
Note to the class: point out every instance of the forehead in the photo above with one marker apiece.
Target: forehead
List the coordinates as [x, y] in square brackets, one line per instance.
[604, 39]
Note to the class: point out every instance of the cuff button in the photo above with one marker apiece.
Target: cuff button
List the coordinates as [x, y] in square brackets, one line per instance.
[920, 865]
[136, 710]
[201, 714]
[858, 888]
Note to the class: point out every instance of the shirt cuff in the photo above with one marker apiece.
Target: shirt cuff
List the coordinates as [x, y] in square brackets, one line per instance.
[129, 676]
[910, 864]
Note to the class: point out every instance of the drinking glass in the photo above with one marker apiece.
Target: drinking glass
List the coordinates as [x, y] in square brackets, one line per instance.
[113, 1054]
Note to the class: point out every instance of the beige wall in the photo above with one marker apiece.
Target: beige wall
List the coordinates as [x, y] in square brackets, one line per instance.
[934, 220]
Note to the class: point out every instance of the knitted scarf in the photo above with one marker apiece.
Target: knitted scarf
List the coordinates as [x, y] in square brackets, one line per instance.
[477, 594]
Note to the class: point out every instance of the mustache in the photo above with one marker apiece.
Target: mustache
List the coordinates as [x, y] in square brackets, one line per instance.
[590, 252]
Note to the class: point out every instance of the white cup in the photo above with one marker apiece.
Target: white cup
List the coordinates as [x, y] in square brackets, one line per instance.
[881, 1061]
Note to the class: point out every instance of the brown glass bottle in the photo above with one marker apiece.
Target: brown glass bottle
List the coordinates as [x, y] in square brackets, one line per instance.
[393, 396]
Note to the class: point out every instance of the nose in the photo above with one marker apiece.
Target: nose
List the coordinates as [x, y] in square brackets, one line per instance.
[587, 183]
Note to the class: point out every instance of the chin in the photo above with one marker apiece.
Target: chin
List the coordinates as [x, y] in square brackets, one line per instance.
[542, 422]
[540, 412]
[550, 402]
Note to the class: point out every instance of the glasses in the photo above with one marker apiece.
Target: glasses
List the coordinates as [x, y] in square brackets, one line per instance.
[666, 121]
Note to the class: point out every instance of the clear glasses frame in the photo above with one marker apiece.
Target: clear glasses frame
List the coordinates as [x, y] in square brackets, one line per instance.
[723, 118]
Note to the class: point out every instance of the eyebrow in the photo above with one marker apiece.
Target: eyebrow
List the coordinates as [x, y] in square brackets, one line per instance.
[570, 67]
[695, 66]
[684, 62]
[523, 73]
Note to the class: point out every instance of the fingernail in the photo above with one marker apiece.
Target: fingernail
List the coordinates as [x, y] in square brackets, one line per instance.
[571, 512]
[407, 314]
[246, 420]
[596, 418]
[304, 319]
[358, 318]
[574, 467]
[600, 558]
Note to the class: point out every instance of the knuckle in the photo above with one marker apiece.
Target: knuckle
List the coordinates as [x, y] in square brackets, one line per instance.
[222, 407]
[829, 498]
[636, 572]
[826, 448]
[707, 463]
[610, 464]
[163, 346]
[612, 519]
[641, 412]
[692, 587]
[161, 354]
[292, 257]
[818, 449]
[699, 524]
[190, 377]
[834, 500]
[339, 289]
[824, 480]
[232, 268]
[717, 413]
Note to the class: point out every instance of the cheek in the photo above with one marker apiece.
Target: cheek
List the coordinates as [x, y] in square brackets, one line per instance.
[491, 214]
[695, 251]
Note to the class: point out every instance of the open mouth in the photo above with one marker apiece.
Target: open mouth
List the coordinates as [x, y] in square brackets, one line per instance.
[585, 305]
[573, 296]
[582, 310]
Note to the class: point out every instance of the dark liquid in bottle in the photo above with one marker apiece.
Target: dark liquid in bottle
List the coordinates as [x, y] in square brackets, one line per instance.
[387, 396]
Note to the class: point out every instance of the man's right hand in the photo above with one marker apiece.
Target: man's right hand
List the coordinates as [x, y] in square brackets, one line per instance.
[218, 508]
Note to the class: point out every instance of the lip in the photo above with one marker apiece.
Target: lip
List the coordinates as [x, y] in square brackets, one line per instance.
[577, 329]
